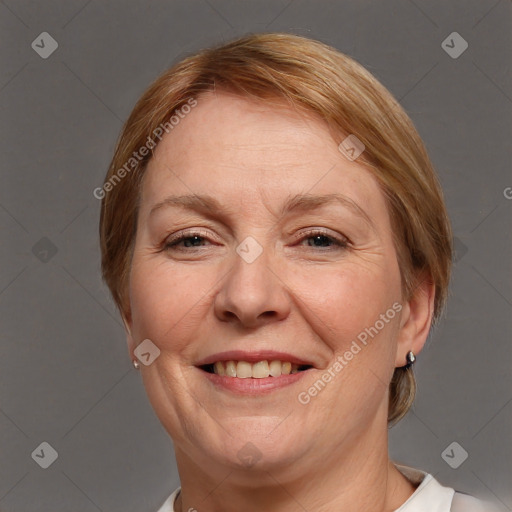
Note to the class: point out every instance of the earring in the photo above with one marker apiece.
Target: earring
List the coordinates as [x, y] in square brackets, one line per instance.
[136, 364]
[411, 359]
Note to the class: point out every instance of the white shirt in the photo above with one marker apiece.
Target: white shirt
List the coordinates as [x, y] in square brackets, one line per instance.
[430, 496]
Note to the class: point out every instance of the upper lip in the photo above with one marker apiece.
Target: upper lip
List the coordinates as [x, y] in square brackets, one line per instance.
[253, 357]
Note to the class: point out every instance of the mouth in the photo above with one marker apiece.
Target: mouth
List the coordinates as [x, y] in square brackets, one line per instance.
[258, 370]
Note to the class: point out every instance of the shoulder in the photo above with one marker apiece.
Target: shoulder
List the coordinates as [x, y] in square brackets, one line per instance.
[168, 504]
[463, 502]
[431, 494]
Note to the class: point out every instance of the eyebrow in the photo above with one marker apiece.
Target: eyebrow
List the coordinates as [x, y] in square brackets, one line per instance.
[206, 205]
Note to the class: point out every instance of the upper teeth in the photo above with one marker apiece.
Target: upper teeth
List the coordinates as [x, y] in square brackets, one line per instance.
[259, 370]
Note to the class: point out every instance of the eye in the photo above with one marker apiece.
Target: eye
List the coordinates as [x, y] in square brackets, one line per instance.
[315, 238]
[190, 239]
[322, 239]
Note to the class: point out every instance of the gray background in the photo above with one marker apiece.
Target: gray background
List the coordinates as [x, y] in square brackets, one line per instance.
[65, 374]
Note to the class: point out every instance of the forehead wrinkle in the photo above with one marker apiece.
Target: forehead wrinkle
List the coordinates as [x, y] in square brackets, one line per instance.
[212, 207]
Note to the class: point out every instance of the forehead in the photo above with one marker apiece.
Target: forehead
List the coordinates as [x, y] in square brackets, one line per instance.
[240, 150]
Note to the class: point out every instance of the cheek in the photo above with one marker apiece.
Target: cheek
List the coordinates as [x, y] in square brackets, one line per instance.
[343, 307]
[166, 299]
[341, 302]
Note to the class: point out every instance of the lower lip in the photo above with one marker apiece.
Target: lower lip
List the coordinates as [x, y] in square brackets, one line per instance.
[251, 386]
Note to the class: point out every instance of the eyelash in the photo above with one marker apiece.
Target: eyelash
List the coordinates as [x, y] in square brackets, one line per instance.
[339, 242]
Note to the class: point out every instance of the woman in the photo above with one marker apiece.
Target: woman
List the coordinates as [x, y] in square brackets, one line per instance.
[276, 240]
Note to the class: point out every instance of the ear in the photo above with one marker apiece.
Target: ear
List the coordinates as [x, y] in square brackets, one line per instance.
[416, 320]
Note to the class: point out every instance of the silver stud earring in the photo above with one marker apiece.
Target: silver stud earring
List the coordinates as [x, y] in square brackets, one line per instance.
[411, 359]
[136, 364]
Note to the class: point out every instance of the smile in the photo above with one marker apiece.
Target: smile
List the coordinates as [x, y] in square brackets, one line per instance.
[258, 370]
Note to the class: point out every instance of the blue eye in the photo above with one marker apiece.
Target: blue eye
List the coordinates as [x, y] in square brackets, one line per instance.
[321, 238]
[195, 239]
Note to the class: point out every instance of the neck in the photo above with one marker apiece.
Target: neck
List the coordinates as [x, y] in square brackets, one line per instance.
[357, 475]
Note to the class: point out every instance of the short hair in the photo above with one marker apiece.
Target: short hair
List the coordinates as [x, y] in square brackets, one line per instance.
[318, 79]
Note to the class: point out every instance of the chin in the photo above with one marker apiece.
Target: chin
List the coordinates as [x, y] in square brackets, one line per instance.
[257, 445]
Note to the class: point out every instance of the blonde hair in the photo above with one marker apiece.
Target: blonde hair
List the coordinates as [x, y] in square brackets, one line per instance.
[319, 79]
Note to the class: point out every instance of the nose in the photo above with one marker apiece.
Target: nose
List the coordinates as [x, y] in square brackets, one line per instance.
[252, 294]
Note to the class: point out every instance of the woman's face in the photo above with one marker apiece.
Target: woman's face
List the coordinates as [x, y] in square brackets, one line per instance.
[263, 276]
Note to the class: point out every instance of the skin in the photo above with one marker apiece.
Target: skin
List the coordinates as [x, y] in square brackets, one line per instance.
[303, 296]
